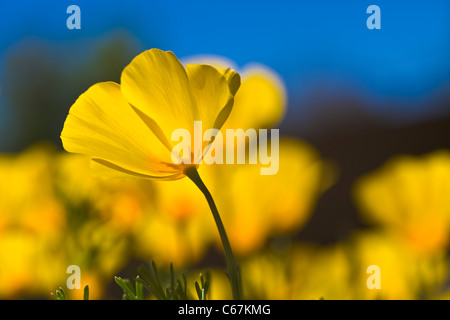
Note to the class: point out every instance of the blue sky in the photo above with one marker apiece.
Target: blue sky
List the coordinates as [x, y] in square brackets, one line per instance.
[306, 42]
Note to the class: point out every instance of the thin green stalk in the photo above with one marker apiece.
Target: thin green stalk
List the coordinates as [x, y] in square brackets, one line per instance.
[233, 271]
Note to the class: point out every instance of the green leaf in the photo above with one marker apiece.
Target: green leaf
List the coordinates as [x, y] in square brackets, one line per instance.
[63, 294]
[86, 293]
[200, 292]
[126, 287]
[155, 271]
[139, 289]
[185, 284]
[152, 282]
[172, 281]
[60, 294]
[206, 287]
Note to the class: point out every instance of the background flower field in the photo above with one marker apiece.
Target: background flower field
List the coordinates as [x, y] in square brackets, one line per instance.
[364, 173]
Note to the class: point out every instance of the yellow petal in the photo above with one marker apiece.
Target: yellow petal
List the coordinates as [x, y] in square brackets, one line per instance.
[260, 102]
[212, 94]
[104, 126]
[233, 79]
[105, 169]
[156, 84]
[225, 66]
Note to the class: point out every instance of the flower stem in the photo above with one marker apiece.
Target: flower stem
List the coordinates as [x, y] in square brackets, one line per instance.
[233, 271]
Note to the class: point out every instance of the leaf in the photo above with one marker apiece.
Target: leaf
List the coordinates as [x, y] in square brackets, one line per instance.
[139, 289]
[206, 287]
[172, 280]
[86, 293]
[152, 282]
[199, 291]
[126, 287]
[60, 294]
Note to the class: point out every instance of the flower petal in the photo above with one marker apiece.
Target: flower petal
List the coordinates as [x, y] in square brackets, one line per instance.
[225, 66]
[233, 79]
[156, 84]
[103, 125]
[211, 92]
[105, 169]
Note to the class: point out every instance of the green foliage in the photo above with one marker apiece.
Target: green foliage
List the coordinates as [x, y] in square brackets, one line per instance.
[203, 290]
[161, 288]
[86, 293]
[172, 289]
[61, 295]
[150, 280]
[129, 293]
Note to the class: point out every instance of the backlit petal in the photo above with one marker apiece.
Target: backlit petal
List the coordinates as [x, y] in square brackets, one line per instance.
[156, 84]
[211, 92]
[103, 125]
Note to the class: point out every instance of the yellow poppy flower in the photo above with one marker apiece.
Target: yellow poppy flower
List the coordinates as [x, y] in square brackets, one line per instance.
[410, 196]
[126, 129]
[403, 273]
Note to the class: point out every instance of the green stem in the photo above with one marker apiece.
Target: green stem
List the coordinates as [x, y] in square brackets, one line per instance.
[233, 271]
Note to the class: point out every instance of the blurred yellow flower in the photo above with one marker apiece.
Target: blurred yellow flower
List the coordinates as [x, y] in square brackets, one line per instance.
[73, 179]
[178, 228]
[266, 276]
[257, 207]
[410, 196]
[295, 272]
[24, 204]
[54, 214]
[22, 270]
[404, 274]
[260, 102]
[99, 252]
[118, 203]
[32, 224]
[320, 272]
[126, 129]
[339, 271]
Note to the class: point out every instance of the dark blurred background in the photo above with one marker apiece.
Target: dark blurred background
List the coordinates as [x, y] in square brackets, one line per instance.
[359, 96]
